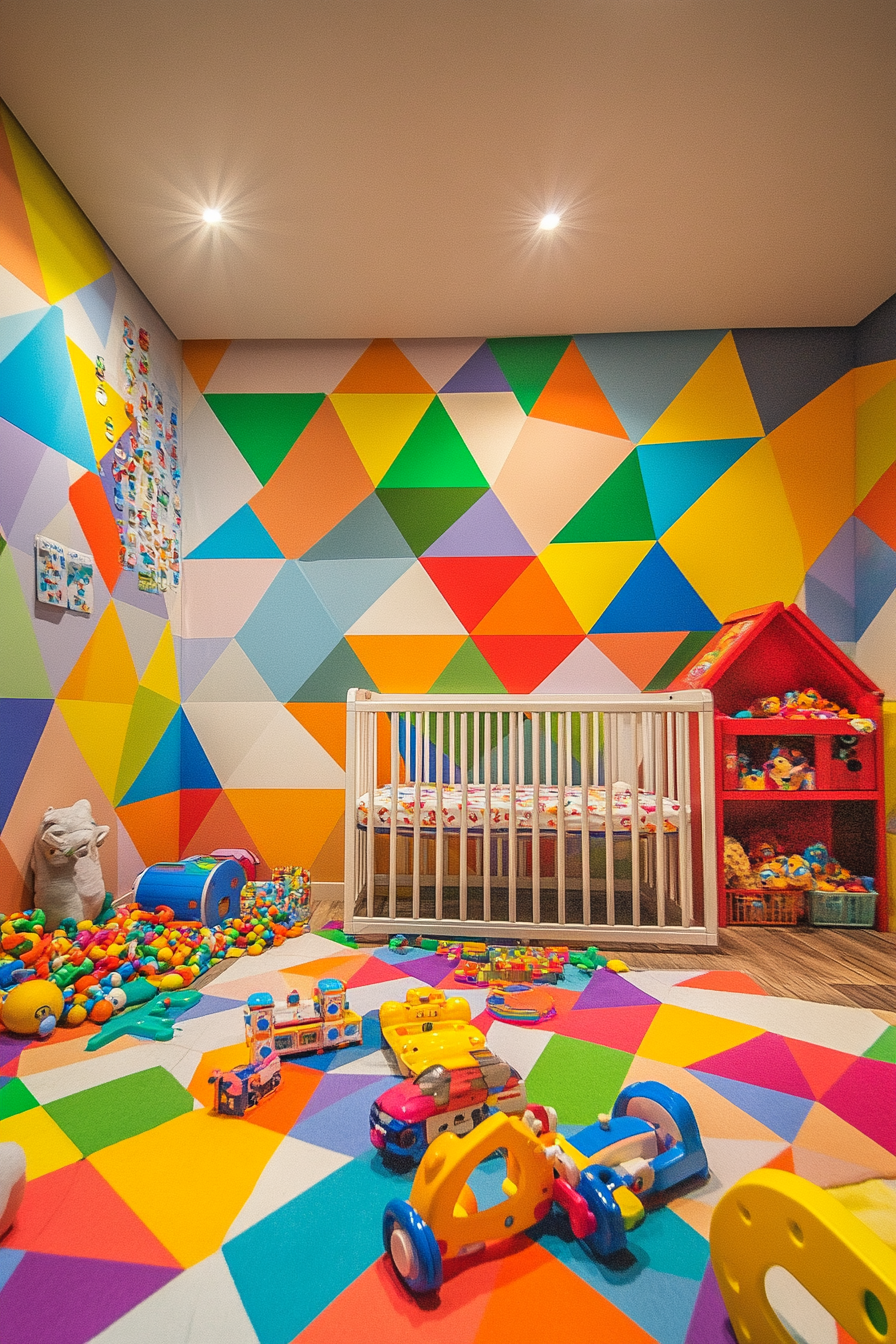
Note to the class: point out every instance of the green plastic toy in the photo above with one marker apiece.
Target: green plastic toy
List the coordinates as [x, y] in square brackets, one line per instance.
[589, 960]
[155, 1023]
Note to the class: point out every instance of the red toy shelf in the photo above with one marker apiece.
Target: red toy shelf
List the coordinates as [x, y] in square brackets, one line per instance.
[766, 651]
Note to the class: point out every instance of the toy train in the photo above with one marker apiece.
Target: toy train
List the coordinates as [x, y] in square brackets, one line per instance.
[310, 1026]
[238, 1090]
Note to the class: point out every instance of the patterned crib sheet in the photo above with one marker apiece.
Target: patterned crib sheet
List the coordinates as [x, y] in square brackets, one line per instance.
[548, 805]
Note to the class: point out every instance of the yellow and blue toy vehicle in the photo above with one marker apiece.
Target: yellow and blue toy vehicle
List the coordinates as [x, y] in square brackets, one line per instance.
[651, 1141]
[429, 1029]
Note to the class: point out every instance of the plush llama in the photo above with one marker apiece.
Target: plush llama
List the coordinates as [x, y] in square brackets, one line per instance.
[68, 879]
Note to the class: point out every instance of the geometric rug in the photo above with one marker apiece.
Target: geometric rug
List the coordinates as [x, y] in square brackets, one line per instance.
[147, 1218]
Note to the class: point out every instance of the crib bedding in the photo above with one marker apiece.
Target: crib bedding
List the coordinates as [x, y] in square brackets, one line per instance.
[499, 810]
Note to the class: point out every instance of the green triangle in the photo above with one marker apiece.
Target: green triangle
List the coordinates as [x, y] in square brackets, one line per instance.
[264, 425]
[423, 515]
[22, 675]
[467, 674]
[618, 511]
[434, 456]
[527, 363]
[884, 1048]
[678, 661]
[150, 716]
[331, 681]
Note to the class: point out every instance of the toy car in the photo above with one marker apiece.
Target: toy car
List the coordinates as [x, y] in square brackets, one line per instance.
[651, 1141]
[428, 1029]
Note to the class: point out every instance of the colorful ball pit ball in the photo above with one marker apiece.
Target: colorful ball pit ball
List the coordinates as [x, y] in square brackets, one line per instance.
[32, 1009]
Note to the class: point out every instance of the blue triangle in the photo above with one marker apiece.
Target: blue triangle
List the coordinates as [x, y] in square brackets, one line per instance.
[656, 597]
[242, 537]
[14, 329]
[481, 373]
[348, 587]
[21, 724]
[98, 302]
[161, 773]
[781, 1112]
[38, 392]
[195, 768]
[675, 475]
[875, 575]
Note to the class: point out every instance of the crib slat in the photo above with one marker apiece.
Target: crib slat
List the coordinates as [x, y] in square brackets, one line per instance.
[562, 766]
[371, 829]
[611, 739]
[512, 855]
[440, 821]
[536, 818]
[633, 783]
[660, 814]
[450, 749]
[683, 794]
[418, 761]
[462, 879]
[393, 815]
[584, 757]
[487, 822]
[476, 729]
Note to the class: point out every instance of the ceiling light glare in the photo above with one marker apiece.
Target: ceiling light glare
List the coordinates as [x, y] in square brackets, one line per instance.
[549, 222]
[212, 216]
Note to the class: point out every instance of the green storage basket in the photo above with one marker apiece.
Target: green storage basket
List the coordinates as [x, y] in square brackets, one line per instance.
[853, 909]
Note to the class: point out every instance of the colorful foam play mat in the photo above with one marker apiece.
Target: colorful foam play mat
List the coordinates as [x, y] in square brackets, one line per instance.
[147, 1216]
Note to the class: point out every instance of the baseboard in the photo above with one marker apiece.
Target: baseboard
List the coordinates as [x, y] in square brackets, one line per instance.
[327, 891]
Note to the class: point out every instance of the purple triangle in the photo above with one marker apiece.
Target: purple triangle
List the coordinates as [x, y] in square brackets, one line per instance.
[836, 566]
[20, 457]
[431, 970]
[103, 1290]
[606, 989]
[485, 529]
[709, 1322]
[481, 373]
[336, 1087]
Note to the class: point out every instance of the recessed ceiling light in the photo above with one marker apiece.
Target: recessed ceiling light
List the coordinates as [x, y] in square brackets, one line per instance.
[212, 216]
[549, 221]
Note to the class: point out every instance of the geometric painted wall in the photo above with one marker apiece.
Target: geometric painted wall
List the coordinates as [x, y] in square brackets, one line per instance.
[85, 701]
[506, 516]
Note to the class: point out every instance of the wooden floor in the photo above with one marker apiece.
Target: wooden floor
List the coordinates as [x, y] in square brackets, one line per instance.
[853, 967]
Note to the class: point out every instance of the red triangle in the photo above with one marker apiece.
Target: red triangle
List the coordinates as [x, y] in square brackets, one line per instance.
[764, 1061]
[521, 662]
[375, 971]
[471, 585]
[195, 805]
[88, 499]
[731, 982]
[74, 1211]
[619, 1028]
[783, 1162]
[820, 1066]
[639, 656]
[878, 509]
[219, 827]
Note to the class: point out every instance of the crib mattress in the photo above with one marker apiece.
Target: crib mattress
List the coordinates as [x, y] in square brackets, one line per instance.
[499, 811]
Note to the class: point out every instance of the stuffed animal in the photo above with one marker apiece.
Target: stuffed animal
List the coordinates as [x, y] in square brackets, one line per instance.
[12, 1183]
[737, 865]
[68, 879]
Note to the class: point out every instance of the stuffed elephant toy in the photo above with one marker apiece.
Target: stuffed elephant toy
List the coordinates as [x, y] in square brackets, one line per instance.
[68, 879]
[12, 1183]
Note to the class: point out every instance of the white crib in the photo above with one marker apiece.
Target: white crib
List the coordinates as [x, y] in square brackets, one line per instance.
[478, 817]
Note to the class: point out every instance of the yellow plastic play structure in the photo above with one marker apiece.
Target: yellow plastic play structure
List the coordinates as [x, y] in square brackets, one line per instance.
[776, 1218]
[428, 1029]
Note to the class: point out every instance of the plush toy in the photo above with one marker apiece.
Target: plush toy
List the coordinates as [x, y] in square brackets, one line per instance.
[762, 848]
[737, 866]
[12, 1183]
[32, 1008]
[68, 879]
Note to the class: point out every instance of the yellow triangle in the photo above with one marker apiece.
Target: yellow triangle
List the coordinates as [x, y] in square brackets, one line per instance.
[95, 414]
[99, 731]
[589, 574]
[681, 1036]
[822, 431]
[872, 377]
[738, 544]
[875, 438]
[105, 671]
[379, 424]
[69, 249]
[715, 404]
[161, 670]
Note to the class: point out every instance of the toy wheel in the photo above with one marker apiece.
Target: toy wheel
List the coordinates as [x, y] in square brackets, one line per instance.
[412, 1247]
[609, 1235]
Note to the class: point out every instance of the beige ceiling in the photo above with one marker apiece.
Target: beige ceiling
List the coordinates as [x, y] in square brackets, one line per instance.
[381, 164]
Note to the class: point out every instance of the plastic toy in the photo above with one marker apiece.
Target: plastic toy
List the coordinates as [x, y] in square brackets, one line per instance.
[651, 1139]
[429, 1029]
[155, 1023]
[311, 1026]
[245, 858]
[776, 1218]
[12, 1183]
[238, 1090]
[406, 1118]
[201, 887]
[32, 1008]
[522, 1004]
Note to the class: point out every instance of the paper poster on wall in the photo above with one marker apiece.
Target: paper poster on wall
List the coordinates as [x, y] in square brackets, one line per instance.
[79, 581]
[49, 558]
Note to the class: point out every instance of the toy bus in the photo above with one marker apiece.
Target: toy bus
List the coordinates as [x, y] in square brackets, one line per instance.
[311, 1026]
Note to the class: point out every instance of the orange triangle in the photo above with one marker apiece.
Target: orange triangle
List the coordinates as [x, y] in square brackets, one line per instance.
[819, 1066]
[405, 663]
[74, 1211]
[531, 606]
[730, 982]
[329, 866]
[154, 827]
[16, 243]
[783, 1161]
[88, 499]
[572, 396]
[383, 368]
[219, 827]
[878, 509]
[872, 377]
[288, 826]
[202, 358]
[325, 723]
[640, 656]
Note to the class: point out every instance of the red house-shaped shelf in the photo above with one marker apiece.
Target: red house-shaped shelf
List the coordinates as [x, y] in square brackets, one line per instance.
[766, 651]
